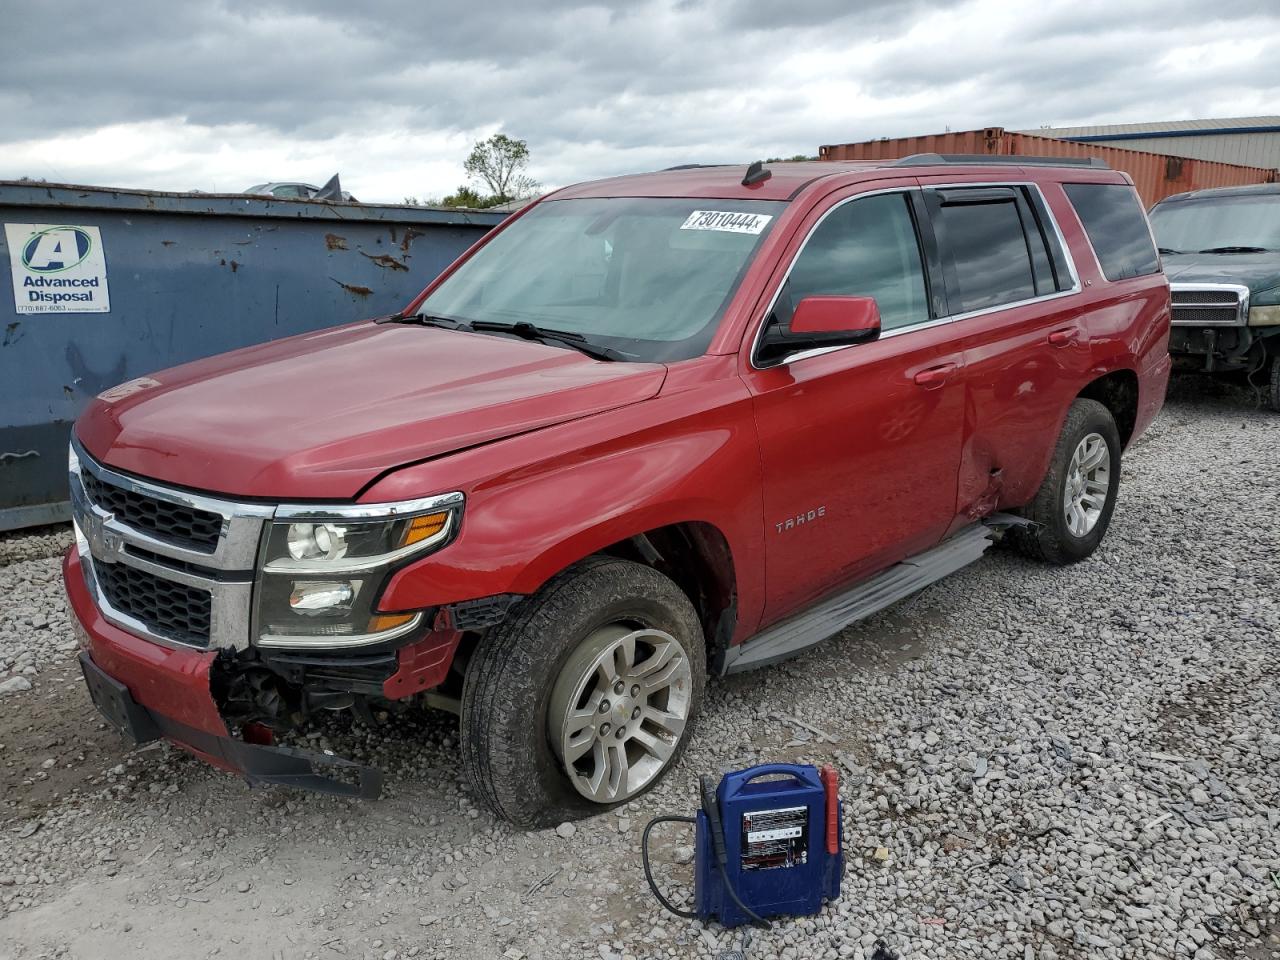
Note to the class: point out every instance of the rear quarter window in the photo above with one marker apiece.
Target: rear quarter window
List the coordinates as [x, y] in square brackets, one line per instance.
[1116, 227]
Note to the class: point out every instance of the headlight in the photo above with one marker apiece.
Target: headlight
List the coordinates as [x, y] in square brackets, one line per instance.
[323, 569]
[314, 546]
[1264, 316]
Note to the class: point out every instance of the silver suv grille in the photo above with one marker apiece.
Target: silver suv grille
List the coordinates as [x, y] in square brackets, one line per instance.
[170, 565]
[181, 613]
[1209, 304]
[184, 526]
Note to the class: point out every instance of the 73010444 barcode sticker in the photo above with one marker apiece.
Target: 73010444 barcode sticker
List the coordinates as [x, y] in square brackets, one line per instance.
[727, 221]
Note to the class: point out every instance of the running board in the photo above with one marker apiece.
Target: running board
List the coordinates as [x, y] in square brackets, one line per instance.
[802, 631]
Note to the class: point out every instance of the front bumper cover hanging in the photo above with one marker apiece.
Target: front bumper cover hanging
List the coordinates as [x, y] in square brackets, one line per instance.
[258, 764]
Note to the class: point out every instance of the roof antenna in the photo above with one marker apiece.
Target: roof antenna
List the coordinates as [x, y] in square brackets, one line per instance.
[756, 173]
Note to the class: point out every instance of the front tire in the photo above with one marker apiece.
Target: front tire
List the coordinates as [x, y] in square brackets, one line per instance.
[585, 696]
[1073, 507]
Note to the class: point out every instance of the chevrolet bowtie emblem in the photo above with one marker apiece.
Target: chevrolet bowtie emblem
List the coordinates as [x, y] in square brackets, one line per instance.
[103, 544]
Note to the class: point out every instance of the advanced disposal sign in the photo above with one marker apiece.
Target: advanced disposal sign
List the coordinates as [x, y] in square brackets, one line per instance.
[57, 268]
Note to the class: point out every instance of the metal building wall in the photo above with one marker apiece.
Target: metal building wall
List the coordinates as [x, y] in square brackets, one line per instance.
[1248, 149]
[1155, 175]
[1251, 141]
[190, 275]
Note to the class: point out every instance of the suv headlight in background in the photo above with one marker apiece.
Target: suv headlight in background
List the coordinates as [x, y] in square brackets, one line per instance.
[323, 568]
[1264, 316]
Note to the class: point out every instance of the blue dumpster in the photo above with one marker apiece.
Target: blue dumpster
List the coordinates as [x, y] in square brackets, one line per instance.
[102, 285]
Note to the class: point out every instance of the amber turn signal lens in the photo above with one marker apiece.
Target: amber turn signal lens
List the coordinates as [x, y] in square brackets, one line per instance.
[388, 621]
[421, 528]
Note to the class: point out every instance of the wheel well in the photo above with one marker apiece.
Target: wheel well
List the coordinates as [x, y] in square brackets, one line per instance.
[1118, 392]
[696, 556]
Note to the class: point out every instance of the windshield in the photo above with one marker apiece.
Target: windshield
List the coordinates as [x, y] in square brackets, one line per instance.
[1189, 226]
[648, 277]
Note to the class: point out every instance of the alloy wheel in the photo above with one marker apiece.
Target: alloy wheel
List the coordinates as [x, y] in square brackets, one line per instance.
[1088, 484]
[619, 709]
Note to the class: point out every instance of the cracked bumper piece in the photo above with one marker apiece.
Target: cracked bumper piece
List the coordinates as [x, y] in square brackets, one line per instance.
[148, 691]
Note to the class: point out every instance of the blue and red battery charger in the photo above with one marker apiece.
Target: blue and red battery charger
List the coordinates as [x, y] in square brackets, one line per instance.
[768, 845]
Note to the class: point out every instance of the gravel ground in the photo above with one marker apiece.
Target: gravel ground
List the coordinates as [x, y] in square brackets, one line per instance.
[1037, 763]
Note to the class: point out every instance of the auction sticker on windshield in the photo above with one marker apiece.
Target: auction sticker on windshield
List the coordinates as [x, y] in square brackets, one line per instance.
[726, 221]
[57, 268]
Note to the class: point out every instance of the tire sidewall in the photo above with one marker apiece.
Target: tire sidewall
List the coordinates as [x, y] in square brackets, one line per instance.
[619, 591]
[553, 781]
[1095, 420]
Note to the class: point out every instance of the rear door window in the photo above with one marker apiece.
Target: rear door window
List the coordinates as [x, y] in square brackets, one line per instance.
[993, 249]
[1117, 228]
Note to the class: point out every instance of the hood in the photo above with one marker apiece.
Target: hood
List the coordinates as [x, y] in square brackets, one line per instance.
[1257, 271]
[321, 415]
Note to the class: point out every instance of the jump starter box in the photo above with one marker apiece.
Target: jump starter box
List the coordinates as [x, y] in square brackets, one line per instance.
[785, 856]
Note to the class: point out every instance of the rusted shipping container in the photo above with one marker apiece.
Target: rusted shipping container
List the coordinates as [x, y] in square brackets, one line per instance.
[1156, 175]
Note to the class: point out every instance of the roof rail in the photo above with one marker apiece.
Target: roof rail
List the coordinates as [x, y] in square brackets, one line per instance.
[930, 159]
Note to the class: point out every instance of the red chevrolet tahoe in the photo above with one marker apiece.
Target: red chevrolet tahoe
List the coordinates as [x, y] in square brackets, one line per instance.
[650, 430]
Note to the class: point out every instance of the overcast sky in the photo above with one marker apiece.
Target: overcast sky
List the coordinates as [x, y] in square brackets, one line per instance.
[221, 94]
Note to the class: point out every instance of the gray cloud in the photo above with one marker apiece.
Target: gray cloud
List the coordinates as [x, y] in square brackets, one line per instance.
[296, 65]
[603, 88]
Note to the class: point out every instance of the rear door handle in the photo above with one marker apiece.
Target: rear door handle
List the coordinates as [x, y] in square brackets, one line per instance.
[935, 377]
[1064, 337]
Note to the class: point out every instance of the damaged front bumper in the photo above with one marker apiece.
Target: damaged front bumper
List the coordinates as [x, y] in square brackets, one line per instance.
[149, 691]
[257, 763]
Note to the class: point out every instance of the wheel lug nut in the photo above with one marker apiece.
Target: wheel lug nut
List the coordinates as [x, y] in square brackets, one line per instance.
[635, 691]
[621, 732]
[604, 729]
[619, 687]
[604, 706]
[635, 713]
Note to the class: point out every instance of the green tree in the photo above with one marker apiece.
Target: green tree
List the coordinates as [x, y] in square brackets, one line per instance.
[465, 196]
[499, 164]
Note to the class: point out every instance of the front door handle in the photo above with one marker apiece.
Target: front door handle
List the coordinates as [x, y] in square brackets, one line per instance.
[1064, 337]
[935, 377]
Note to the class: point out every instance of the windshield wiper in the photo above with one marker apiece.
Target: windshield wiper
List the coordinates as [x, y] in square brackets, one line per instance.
[530, 331]
[1236, 249]
[1168, 250]
[425, 320]
[522, 329]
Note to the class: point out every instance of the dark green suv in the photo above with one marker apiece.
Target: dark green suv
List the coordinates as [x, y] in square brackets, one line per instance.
[1222, 255]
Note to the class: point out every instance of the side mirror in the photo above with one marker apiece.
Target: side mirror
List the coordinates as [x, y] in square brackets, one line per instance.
[822, 322]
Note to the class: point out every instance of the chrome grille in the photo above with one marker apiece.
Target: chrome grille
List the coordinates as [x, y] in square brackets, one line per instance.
[186, 526]
[181, 613]
[1209, 304]
[1205, 316]
[172, 566]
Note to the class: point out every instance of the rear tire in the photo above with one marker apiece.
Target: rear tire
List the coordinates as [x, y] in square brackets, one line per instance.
[535, 693]
[1073, 507]
[1273, 394]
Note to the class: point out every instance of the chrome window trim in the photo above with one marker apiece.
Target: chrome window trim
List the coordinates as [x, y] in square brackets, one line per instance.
[1241, 292]
[1075, 287]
